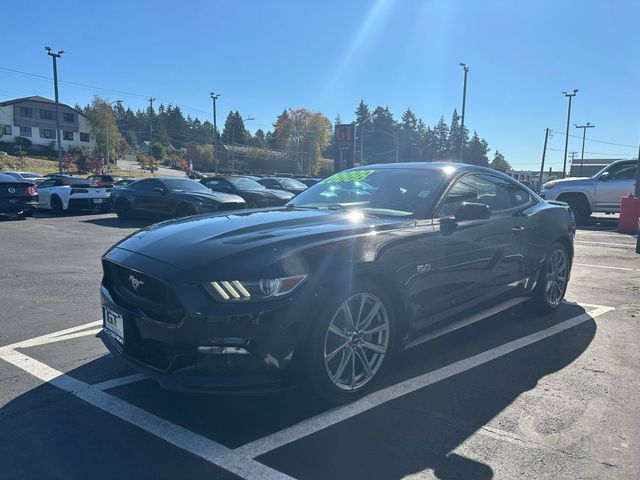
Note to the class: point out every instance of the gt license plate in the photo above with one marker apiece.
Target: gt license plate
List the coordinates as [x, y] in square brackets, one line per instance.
[114, 324]
[98, 200]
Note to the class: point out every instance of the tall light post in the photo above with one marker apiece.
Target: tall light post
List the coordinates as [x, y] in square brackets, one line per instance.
[55, 56]
[465, 67]
[233, 143]
[106, 122]
[584, 135]
[566, 137]
[214, 97]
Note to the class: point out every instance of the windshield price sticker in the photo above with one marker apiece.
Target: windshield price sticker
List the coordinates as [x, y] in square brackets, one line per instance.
[352, 176]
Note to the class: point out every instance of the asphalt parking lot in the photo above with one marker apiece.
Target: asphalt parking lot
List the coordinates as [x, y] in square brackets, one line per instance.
[517, 395]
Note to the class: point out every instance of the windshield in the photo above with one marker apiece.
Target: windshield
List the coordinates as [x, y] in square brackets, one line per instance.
[388, 191]
[29, 175]
[185, 185]
[245, 183]
[292, 183]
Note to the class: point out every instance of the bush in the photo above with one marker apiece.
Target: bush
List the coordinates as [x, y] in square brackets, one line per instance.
[158, 151]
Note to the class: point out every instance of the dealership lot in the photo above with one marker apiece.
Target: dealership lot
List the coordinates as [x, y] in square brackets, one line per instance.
[514, 396]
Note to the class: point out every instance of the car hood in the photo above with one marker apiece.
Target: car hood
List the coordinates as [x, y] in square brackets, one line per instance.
[574, 181]
[252, 238]
[268, 193]
[211, 197]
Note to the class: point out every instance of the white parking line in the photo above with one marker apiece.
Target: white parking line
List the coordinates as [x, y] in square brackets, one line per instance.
[630, 245]
[332, 417]
[66, 334]
[174, 434]
[627, 269]
[118, 382]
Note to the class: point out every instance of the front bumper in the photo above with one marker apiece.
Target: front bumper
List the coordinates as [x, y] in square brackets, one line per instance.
[228, 349]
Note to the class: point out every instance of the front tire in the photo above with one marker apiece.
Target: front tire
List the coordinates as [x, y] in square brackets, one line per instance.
[553, 280]
[579, 205]
[123, 209]
[351, 343]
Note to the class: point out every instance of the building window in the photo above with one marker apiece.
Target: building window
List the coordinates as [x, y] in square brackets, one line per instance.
[26, 112]
[6, 130]
[84, 137]
[67, 135]
[47, 133]
[68, 117]
[25, 131]
[47, 115]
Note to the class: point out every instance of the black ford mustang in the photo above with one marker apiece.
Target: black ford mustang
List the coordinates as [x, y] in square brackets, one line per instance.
[17, 197]
[170, 197]
[325, 289]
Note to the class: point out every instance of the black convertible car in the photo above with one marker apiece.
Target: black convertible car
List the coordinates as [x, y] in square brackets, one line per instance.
[169, 197]
[324, 290]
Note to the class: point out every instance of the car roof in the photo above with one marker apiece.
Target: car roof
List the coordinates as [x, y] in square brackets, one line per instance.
[8, 178]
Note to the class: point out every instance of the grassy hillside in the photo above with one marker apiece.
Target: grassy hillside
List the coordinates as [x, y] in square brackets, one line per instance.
[44, 166]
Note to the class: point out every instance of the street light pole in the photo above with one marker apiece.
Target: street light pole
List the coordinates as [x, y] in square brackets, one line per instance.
[214, 97]
[464, 103]
[566, 138]
[55, 56]
[584, 134]
[106, 122]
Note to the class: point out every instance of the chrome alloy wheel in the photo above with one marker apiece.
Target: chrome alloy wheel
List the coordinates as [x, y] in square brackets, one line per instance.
[356, 341]
[556, 278]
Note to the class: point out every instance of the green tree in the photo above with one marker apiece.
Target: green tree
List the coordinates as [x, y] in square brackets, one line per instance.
[478, 151]
[282, 130]
[382, 141]
[158, 151]
[441, 138]
[499, 162]
[409, 136]
[234, 131]
[102, 118]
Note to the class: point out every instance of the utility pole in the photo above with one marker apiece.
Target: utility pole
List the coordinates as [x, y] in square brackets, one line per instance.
[464, 103]
[55, 57]
[214, 97]
[151, 100]
[566, 138]
[584, 134]
[544, 154]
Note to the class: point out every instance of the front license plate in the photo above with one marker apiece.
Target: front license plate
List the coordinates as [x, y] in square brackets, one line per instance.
[97, 200]
[114, 324]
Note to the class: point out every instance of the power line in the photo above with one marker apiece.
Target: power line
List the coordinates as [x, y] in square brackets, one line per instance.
[598, 141]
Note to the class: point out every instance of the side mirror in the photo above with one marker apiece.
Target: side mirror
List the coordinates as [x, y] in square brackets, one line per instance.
[158, 190]
[605, 176]
[472, 211]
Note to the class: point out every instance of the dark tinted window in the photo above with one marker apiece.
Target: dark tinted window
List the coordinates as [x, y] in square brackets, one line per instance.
[498, 193]
[184, 185]
[623, 171]
[245, 183]
[146, 185]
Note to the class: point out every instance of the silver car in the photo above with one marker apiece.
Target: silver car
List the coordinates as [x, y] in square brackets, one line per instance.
[601, 193]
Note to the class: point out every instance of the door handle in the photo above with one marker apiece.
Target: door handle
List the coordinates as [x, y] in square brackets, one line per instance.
[518, 228]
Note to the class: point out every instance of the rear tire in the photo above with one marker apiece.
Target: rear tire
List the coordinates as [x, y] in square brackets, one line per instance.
[123, 209]
[337, 349]
[553, 280]
[579, 205]
[56, 205]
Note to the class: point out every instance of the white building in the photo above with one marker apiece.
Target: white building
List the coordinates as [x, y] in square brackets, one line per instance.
[35, 118]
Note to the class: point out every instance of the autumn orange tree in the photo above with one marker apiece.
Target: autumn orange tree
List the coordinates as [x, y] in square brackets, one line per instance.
[303, 134]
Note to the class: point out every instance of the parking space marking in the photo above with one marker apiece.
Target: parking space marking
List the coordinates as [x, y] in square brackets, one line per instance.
[120, 381]
[607, 266]
[203, 447]
[67, 333]
[585, 242]
[324, 420]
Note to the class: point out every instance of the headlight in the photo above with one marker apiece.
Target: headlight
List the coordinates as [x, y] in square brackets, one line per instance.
[229, 291]
[549, 185]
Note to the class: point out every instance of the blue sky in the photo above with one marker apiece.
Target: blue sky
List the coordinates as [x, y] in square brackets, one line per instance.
[263, 56]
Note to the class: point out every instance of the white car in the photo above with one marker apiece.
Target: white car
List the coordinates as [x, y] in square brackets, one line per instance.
[62, 193]
[27, 176]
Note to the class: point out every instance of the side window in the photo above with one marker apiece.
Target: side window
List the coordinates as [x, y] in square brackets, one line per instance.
[46, 184]
[215, 184]
[146, 185]
[623, 171]
[494, 191]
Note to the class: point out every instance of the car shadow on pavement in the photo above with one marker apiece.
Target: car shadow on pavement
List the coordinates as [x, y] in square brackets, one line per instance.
[115, 222]
[420, 431]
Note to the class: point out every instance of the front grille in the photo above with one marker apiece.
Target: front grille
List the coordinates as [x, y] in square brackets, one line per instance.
[142, 293]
